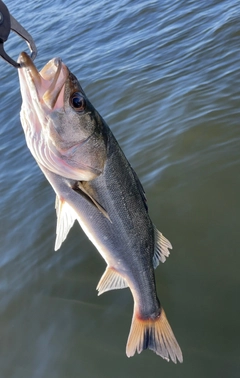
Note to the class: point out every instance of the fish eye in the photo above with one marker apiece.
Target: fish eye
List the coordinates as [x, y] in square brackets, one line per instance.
[77, 102]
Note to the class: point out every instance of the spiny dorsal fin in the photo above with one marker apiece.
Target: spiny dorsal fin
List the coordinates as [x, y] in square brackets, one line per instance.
[110, 280]
[65, 219]
[83, 189]
[141, 190]
[161, 248]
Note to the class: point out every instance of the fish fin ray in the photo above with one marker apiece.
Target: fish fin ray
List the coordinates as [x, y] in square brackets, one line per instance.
[110, 280]
[155, 335]
[161, 251]
[65, 219]
[81, 189]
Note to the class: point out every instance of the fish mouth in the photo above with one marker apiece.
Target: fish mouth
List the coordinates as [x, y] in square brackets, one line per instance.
[47, 85]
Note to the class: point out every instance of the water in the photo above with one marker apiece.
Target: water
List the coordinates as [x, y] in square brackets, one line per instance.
[165, 76]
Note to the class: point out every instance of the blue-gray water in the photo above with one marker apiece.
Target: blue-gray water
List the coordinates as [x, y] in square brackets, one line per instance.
[165, 76]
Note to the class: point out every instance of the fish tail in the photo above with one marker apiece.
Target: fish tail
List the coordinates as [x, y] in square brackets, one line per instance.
[156, 335]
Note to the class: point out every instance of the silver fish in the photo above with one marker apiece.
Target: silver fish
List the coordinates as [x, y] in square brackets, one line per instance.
[96, 185]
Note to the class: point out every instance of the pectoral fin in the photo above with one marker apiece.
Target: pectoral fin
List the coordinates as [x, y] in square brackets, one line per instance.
[65, 219]
[110, 280]
[83, 188]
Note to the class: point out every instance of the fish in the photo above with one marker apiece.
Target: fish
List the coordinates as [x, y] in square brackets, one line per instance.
[96, 185]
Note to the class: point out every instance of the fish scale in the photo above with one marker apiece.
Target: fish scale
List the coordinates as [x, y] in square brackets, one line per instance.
[95, 185]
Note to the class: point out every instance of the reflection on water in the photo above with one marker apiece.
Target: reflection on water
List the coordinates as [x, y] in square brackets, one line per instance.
[166, 78]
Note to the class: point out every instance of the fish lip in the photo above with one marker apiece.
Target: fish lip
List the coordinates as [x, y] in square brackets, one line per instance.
[48, 83]
[26, 63]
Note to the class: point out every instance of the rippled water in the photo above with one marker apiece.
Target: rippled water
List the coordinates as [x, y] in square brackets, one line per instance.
[166, 78]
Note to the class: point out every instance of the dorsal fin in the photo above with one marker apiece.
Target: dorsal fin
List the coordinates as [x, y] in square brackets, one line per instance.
[110, 280]
[161, 248]
[65, 219]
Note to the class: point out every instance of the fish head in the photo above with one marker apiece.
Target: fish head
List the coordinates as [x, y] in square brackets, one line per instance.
[63, 130]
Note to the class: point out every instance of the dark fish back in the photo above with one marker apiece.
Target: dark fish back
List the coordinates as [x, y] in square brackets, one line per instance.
[130, 232]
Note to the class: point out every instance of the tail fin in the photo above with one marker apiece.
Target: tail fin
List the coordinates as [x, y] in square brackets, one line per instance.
[156, 335]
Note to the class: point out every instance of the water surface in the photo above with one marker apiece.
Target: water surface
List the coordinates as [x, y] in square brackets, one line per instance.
[166, 78]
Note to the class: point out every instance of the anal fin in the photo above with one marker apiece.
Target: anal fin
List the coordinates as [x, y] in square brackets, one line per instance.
[110, 280]
[65, 219]
[161, 248]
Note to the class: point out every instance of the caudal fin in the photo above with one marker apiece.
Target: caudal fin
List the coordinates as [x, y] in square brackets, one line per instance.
[156, 335]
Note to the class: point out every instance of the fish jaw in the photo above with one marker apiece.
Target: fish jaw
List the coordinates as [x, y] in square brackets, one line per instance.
[38, 87]
[43, 105]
